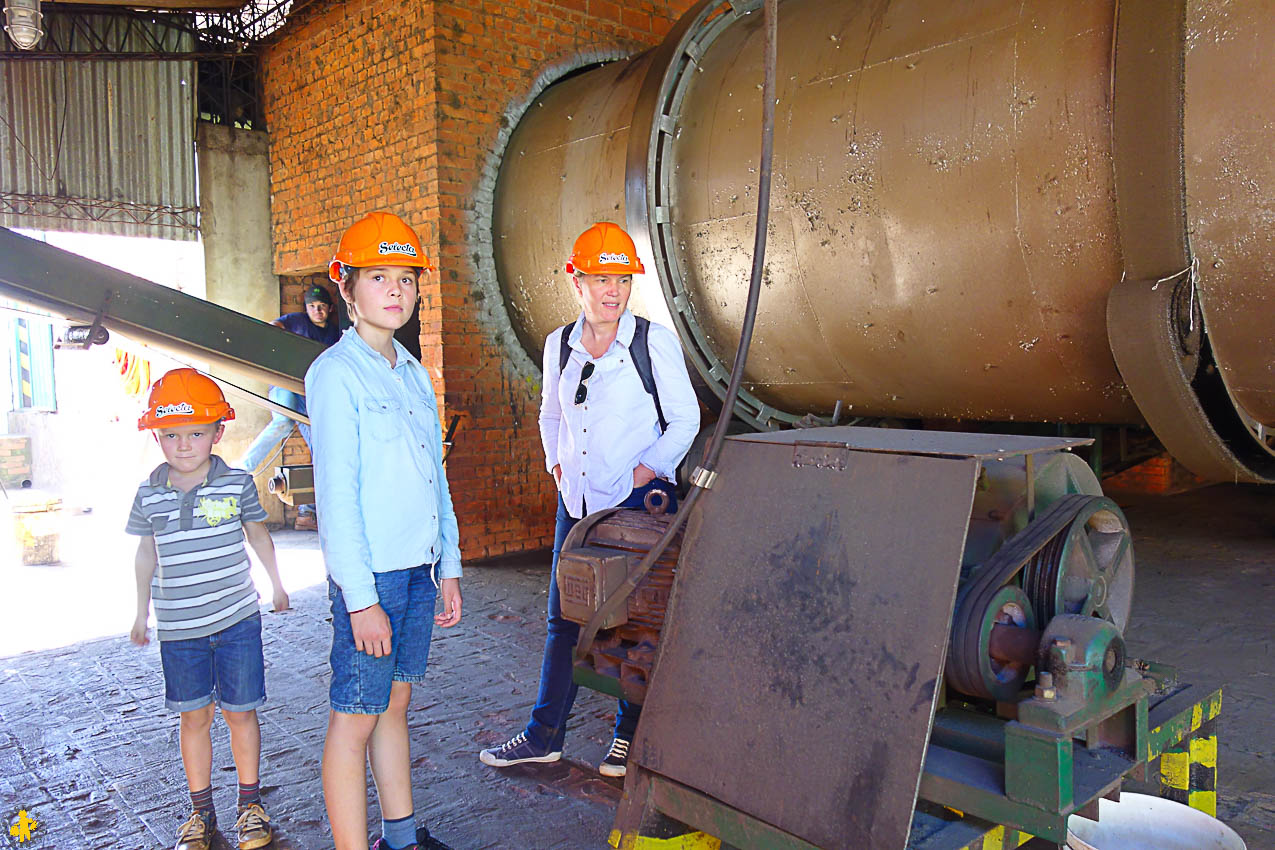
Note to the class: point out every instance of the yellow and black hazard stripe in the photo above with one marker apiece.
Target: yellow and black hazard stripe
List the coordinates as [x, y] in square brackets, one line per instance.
[1188, 772]
[688, 841]
[1000, 838]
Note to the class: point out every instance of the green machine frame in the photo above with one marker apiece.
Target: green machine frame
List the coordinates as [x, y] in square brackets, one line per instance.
[1180, 732]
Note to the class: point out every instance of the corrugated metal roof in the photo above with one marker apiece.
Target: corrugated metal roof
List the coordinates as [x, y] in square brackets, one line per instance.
[99, 146]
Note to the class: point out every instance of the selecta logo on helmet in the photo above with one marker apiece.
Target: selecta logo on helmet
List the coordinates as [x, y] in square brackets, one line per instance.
[184, 397]
[397, 248]
[604, 249]
[182, 409]
[378, 239]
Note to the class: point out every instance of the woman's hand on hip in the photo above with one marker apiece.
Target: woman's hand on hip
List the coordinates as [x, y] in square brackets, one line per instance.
[450, 615]
[642, 475]
[371, 628]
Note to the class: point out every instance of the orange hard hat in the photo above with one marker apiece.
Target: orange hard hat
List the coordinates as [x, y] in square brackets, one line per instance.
[378, 239]
[184, 397]
[604, 249]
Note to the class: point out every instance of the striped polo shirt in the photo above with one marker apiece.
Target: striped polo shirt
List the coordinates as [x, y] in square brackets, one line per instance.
[203, 583]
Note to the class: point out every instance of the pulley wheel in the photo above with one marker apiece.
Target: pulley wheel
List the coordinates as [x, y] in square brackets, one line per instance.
[1088, 570]
[971, 668]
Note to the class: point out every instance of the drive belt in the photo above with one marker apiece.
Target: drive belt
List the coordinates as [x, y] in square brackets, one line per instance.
[999, 570]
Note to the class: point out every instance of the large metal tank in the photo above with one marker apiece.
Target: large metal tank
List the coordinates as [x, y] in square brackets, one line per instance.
[944, 220]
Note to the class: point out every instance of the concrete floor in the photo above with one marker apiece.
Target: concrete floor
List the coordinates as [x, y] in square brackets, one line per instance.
[87, 748]
[1205, 602]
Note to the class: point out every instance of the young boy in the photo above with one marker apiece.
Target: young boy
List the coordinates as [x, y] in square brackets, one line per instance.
[388, 531]
[193, 514]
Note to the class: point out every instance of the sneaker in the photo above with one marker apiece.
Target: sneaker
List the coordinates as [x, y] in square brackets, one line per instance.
[615, 764]
[517, 750]
[253, 827]
[424, 841]
[196, 833]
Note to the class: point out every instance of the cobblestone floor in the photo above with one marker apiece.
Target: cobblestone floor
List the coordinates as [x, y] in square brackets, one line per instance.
[87, 748]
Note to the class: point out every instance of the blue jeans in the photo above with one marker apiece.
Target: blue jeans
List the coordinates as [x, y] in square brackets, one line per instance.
[227, 666]
[276, 430]
[548, 727]
[361, 683]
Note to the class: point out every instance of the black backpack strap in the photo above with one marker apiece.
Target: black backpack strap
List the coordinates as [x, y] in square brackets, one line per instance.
[564, 347]
[640, 350]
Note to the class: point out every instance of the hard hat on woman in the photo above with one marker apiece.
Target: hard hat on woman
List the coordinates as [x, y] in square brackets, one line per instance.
[604, 249]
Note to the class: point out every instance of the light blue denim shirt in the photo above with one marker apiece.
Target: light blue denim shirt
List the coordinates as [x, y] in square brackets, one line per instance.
[382, 494]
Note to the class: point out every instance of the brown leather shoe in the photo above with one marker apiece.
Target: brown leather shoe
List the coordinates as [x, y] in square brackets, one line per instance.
[253, 827]
[196, 833]
[307, 522]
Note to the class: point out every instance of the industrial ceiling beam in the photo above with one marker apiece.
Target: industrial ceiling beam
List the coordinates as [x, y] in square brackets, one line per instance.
[166, 5]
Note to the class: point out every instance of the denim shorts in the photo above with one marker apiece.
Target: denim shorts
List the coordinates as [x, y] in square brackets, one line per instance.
[227, 667]
[361, 683]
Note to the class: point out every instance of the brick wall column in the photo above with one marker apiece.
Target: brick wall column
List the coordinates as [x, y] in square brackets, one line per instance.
[373, 105]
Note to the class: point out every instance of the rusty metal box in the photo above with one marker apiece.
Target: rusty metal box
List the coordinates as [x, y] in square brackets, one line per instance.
[587, 576]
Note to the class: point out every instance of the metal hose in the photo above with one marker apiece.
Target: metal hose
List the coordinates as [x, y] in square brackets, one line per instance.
[703, 477]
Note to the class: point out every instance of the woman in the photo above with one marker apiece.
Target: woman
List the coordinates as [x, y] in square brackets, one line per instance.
[608, 442]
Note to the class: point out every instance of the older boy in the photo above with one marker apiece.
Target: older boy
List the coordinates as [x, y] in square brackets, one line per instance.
[193, 514]
[389, 532]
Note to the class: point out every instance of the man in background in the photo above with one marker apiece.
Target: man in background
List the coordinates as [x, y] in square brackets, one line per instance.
[318, 322]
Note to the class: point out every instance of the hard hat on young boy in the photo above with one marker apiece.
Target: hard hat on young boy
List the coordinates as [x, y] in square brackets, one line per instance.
[184, 397]
[604, 249]
[378, 239]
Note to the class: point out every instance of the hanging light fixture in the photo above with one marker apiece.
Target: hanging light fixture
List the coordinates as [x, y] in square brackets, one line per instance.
[22, 22]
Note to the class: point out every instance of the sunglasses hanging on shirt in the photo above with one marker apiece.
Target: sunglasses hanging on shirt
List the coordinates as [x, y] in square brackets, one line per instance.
[582, 391]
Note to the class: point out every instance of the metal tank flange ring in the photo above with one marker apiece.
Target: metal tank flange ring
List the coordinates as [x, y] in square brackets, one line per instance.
[648, 189]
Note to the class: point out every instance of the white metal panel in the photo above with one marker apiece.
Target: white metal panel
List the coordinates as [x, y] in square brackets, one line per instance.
[99, 146]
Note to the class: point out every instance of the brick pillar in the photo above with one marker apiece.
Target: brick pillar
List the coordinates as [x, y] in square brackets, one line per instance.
[376, 105]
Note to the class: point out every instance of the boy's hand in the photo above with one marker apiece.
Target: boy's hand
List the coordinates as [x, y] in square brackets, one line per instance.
[280, 600]
[450, 615]
[371, 628]
[138, 634]
[642, 475]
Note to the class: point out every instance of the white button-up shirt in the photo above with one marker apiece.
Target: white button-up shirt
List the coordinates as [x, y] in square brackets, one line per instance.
[600, 441]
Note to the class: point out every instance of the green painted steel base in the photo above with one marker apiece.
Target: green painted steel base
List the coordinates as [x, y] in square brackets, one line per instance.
[1179, 731]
